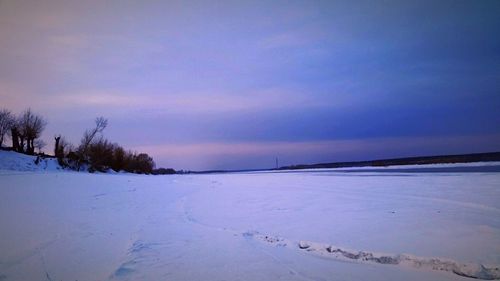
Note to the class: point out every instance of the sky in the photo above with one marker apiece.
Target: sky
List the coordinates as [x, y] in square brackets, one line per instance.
[204, 85]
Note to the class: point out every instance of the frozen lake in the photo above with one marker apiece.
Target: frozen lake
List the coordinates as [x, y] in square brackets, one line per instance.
[316, 225]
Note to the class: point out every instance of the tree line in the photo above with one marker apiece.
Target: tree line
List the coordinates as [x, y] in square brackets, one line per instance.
[94, 153]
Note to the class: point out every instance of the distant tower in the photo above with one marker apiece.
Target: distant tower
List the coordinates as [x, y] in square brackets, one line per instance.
[277, 163]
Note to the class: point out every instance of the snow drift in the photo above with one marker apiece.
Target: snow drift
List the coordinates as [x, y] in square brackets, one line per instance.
[14, 161]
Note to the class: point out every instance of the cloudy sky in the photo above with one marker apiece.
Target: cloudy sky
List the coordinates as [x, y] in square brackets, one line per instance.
[234, 84]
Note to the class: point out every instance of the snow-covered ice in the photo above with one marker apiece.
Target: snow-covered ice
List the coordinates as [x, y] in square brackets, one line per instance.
[301, 225]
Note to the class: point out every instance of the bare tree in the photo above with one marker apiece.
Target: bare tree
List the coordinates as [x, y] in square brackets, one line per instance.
[30, 126]
[39, 144]
[62, 149]
[89, 137]
[57, 150]
[6, 123]
[14, 134]
[65, 146]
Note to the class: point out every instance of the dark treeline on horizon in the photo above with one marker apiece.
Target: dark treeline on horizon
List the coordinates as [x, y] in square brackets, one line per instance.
[94, 153]
[419, 160]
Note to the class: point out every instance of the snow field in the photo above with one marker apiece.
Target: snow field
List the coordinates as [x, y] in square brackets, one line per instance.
[250, 226]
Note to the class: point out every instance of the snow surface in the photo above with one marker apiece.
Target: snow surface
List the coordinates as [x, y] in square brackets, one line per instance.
[249, 226]
[11, 161]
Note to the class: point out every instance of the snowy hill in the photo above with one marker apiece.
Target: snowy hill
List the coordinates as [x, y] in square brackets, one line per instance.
[14, 161]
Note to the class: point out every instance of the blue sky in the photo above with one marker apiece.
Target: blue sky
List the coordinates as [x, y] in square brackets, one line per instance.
[234, 84]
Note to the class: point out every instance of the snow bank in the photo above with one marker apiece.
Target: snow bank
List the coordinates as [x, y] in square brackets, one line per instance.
[14, 161]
